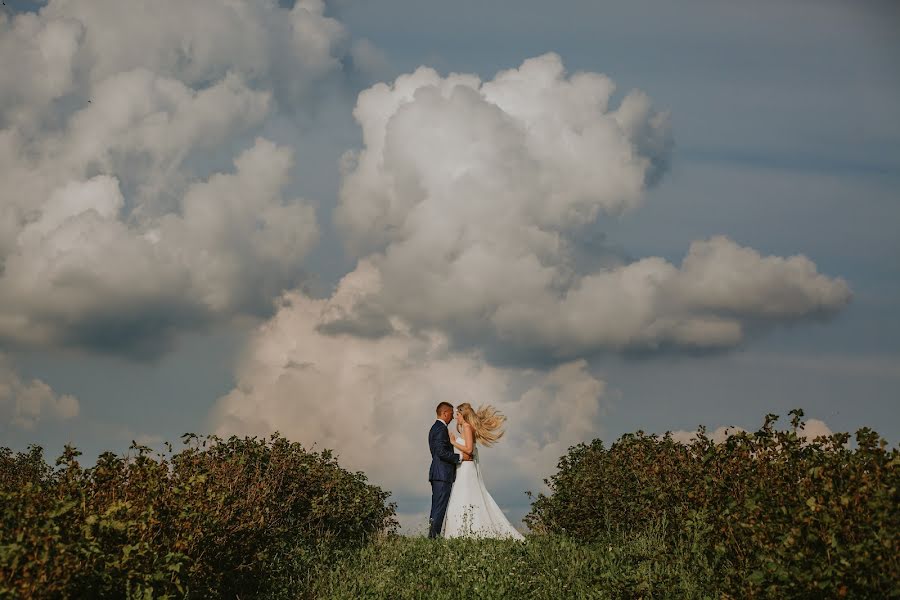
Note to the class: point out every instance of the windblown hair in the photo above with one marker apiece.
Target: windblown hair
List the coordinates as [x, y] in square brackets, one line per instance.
[486, 422]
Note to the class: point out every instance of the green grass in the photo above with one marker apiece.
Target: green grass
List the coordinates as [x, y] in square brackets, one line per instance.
[619, 566]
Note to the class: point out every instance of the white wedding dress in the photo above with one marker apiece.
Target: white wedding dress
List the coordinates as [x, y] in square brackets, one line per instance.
[471, 511]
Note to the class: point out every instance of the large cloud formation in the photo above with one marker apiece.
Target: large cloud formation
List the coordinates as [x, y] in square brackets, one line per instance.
[469, 198]
[137, 198]
[120, 217]
[465, 209]
[372, 398]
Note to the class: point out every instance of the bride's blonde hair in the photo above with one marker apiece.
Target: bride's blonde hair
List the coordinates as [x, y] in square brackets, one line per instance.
[486, 422]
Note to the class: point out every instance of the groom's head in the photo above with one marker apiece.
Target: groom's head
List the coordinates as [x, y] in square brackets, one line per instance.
[444, 411]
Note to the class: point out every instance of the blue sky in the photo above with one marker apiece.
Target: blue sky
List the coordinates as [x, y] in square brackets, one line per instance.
[786, 128]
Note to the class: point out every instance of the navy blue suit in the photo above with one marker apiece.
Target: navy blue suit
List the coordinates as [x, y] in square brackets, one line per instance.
[442, 474]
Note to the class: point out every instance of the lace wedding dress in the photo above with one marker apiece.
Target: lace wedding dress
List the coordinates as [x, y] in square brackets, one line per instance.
[471, 511]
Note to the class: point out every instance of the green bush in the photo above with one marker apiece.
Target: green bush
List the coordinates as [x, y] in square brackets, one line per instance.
[222, 518]
[764, 514]
[781, 516]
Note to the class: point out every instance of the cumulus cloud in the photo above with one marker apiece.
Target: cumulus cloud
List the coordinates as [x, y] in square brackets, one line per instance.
[463, 209]
[811, 429]
[24, 403]
[719, 291]
[469, 198]
[717, 435]
[120, 218]
[79, 43]
[367, 397]
[80, 275]
[529, 154]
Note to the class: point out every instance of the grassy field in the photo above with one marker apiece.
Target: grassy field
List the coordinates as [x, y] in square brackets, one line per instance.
[619, 566]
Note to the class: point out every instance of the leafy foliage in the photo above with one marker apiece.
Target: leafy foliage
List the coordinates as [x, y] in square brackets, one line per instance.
[222, 518]
[778, 515]
[768, 514]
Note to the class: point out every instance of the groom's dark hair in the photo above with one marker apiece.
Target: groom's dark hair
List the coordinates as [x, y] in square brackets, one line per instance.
[443, 405]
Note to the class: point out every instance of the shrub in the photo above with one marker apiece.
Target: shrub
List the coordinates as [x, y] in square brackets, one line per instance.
[780, 515]
[222, 518]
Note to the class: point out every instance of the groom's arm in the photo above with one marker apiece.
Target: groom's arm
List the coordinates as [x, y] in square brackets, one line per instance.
[444, 451]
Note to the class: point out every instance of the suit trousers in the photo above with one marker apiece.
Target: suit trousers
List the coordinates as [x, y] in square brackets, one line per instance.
[440, 496]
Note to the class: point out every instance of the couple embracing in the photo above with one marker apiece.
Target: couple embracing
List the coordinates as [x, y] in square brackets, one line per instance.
[460, 504]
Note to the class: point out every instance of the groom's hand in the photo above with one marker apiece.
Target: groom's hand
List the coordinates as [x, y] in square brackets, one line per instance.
[466, 456]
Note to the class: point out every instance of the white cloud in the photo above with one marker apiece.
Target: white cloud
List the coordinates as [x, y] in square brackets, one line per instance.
[718, 435]
[812, 428]
[120, 222]
[529, 154]
[80, 43]
[463, 209]
[24, 403]
[468, 197]
[368, 397]
[80, 275]
[719, 290]
[33, 45]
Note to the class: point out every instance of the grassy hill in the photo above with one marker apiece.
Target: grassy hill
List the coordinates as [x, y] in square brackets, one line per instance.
[618, 565]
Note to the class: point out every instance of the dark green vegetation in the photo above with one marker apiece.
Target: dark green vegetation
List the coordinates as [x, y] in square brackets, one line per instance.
[762, 515]
[237, 518]
[777, 516]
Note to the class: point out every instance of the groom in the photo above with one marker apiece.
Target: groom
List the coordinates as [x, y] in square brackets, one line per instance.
[444, 461]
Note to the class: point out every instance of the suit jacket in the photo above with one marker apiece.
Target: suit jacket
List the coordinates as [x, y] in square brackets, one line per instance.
[443, 459]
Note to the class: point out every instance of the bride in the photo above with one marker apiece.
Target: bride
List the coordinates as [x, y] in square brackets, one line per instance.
[471, 511]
